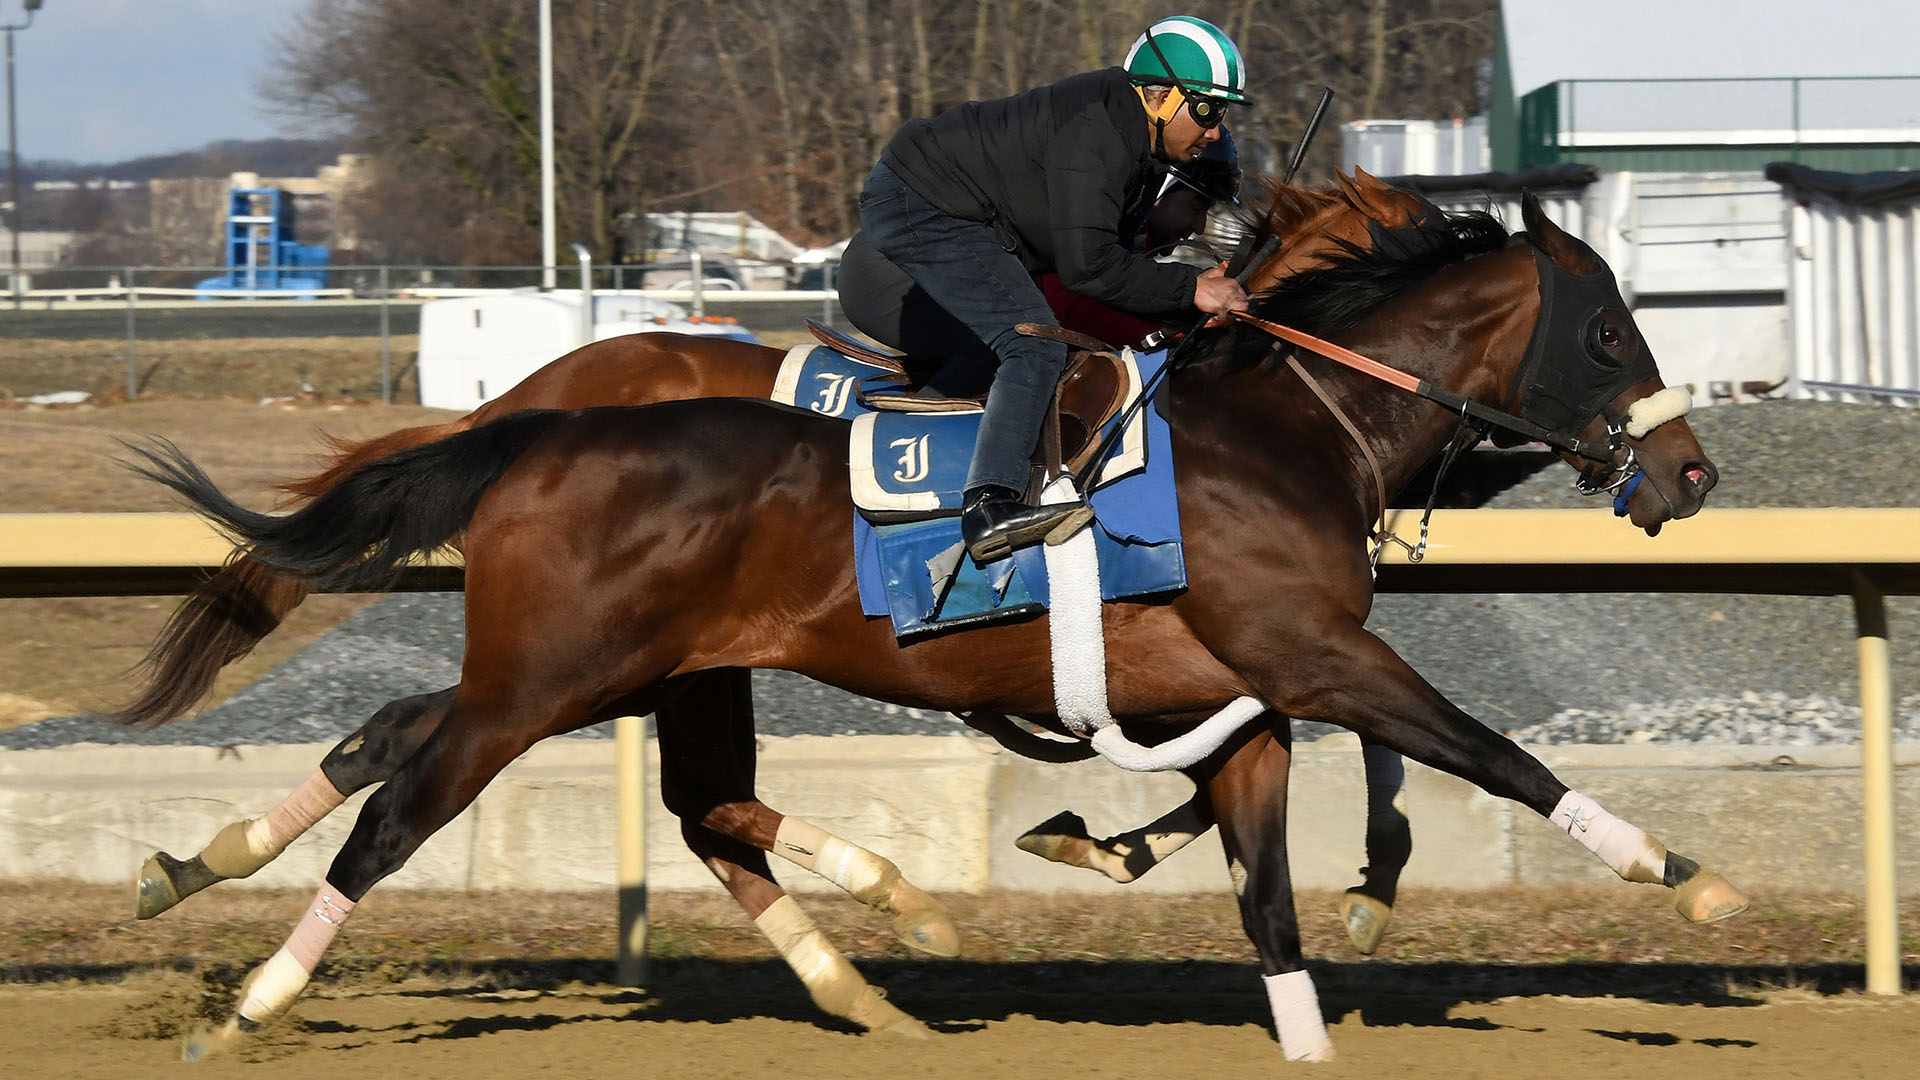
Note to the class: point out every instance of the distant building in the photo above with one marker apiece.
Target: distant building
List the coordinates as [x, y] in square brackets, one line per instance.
[1654, 85]
[190, 216]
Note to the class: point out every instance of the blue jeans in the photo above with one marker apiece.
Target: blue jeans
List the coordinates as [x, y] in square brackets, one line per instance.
[963, 268]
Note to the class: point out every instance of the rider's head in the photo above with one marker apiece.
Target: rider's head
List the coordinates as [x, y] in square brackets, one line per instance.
[1188, 72]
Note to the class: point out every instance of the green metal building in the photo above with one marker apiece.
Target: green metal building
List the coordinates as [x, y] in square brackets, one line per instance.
[1707, 85]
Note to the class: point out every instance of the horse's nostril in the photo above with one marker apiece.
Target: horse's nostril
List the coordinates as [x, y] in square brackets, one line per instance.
[1695, 475]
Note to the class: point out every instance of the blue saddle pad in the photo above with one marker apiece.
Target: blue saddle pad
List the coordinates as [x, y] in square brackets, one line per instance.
[821, 379]
[917, 573]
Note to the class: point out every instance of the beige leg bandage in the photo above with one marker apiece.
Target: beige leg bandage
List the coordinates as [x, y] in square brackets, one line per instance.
[1633, 854]
[245, 846]
[919, 919]
[867, 877]
[276, 983]
[830, 979]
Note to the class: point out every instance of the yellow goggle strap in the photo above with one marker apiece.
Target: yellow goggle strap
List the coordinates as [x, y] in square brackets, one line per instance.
[1169, 108]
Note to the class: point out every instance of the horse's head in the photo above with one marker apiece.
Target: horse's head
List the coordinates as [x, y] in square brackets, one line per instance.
[1587, 371]
[1315, 226]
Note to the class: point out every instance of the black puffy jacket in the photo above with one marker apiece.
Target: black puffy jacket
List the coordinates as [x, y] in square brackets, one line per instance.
[1065, 175]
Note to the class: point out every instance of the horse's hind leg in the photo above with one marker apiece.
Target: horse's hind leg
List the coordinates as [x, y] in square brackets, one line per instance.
[707, 764]
[485, 728]
[1248, 793]
[362, 759]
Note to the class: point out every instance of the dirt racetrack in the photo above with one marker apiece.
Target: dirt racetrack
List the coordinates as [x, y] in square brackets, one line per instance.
[698, 1023]
[1576, 983]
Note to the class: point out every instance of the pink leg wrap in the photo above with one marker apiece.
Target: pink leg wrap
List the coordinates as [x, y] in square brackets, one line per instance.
[318, 925]
[311, 801]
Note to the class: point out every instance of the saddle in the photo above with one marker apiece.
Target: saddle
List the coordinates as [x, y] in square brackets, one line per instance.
[1092, 388]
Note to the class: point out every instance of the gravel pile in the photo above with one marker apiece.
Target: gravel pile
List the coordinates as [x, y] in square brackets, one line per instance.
[1760, 670]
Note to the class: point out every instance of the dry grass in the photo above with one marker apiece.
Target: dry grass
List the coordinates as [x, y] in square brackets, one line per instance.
[244, 368]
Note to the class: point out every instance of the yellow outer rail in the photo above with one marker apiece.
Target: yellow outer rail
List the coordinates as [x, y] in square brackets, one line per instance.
[1866, 554]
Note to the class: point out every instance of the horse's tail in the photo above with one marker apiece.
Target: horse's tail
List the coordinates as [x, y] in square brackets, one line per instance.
[225, 616]
[359, 533]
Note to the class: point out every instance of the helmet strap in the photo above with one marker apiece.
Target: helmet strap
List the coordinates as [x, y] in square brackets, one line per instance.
[1169, 108]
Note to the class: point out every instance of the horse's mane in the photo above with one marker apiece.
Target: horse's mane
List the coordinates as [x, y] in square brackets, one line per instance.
[1359, 279]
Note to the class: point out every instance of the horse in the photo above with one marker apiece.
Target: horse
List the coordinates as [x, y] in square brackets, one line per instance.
[236, 607]
[616, 556]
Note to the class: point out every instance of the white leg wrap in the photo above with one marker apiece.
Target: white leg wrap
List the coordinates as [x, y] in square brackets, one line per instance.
[276, 983]
[830, 980]
[1296, 1016]
[1631, 853]
[867, 877]
[274, 987]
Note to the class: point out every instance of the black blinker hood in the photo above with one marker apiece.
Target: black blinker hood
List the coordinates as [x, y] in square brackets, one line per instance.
[1565, 393]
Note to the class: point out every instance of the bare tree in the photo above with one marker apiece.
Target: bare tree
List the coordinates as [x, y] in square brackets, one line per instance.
[780, 107]
[444, 94]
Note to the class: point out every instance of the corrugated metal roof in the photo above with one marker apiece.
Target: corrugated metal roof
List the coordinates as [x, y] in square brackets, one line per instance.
[1550, 40]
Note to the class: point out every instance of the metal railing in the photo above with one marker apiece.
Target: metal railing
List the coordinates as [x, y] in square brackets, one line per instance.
[376, 302]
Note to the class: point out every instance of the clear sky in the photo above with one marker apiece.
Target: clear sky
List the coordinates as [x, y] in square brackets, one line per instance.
[105, 80]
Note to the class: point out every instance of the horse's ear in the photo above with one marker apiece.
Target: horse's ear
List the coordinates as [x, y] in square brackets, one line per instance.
[1565, 249]
[1350, 187]
[1378, 200]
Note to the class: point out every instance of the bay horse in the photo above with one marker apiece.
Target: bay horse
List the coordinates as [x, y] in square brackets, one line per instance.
[235, 608]
[616, 557]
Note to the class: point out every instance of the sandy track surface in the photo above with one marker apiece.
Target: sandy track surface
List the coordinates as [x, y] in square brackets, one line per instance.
[700, 1021]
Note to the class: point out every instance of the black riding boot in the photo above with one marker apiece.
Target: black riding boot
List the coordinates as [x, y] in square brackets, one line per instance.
[993, 521]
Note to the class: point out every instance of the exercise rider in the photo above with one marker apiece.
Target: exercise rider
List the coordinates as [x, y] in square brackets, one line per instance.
[974, 202]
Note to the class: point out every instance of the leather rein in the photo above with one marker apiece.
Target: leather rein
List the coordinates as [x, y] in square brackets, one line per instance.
[1475, 418]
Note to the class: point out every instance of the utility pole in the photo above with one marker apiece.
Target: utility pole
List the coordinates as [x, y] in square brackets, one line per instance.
[13, 158]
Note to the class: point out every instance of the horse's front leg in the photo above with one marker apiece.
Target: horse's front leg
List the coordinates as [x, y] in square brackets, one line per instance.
[1345, 675]
[367, 757]
[1367, 908]
[1248, 793]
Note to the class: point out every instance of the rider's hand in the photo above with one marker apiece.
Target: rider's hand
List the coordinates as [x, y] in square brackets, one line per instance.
[1217, 294]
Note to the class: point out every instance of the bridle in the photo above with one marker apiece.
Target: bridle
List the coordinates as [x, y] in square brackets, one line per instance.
[1551, 400]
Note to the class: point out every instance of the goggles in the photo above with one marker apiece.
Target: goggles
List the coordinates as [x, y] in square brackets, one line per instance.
[1206, 111]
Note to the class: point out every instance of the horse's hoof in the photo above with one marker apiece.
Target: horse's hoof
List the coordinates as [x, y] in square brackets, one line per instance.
[872, 1010]
[1061, 838]
[204, 1041]
[929, 931]
[904, 1028]
[155, 892]
[1366, 920]
[1707, 897]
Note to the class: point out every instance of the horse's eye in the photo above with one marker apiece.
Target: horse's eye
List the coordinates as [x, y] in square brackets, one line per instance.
[1609, 337]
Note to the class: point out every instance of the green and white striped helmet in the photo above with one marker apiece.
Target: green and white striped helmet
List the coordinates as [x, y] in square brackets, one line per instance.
[1202, 58]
